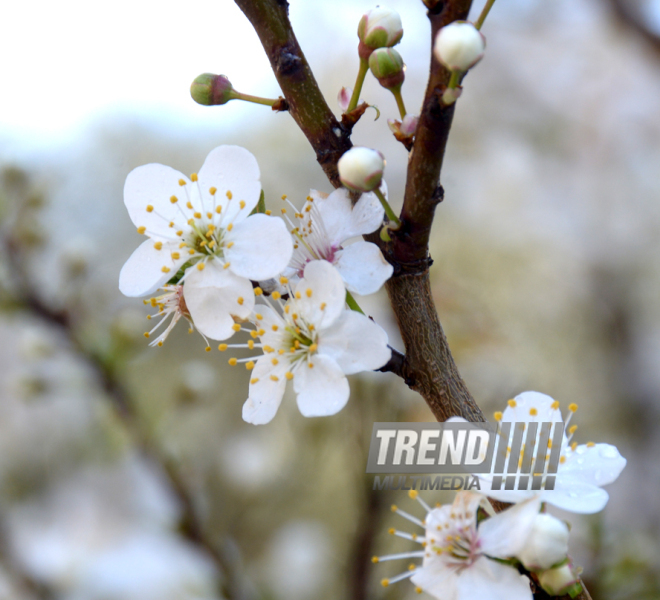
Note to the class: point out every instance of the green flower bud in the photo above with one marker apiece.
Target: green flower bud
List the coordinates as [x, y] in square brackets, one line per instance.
[560, 580]
[380, 28]
[387, 66]
[210, 90]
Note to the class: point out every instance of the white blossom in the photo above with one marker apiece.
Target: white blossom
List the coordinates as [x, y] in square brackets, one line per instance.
[459, 46]
[323, 226]
[202, 224]
[582, 469]
[314, 341]
[461, 557]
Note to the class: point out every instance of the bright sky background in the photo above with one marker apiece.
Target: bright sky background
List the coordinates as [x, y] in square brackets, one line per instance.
[69, 63]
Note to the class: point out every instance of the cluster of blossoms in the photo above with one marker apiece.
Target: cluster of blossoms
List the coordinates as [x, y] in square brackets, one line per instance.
[209, 245]
[468, 551]
[217, 258]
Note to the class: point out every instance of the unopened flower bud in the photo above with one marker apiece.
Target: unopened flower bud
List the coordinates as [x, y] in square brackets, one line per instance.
[407, 127]
[361, 169]
[459, 46]
[387, 66]
[380, 28]
[560, 581]
[211, 90]
[546, 545]
[344, 98]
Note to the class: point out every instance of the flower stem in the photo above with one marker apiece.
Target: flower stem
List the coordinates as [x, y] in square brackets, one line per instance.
[255, 99]
[399, 101]
[484, 13]
[357, 90]
[388, 209]
[352, 304]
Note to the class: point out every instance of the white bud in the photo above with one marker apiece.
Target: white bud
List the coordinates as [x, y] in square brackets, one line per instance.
[380, 28]
[560, 581]
[361, 169]
[459, 46]
[546, 545]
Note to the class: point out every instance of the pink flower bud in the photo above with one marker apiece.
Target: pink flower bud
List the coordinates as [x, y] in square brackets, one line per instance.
[361, 169]
[344, 98]
[459, 46]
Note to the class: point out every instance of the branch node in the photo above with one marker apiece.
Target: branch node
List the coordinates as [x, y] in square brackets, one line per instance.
[413, 267]
[288, 62]
[438, 195]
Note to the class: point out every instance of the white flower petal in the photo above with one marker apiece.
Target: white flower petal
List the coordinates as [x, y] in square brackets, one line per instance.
[153, 185]
[438, 580]
[343, 221]
[540, 403]
[321, 286]
[269, 317]
[231, 169]
[321, 390]
[261, 248]
[363, 268]
[599, 464]
[142, 274]
[212, 297]
[355, 342]
[576, 497]
[504, 534]
[485, 482]
[490, 580]
[266, 392]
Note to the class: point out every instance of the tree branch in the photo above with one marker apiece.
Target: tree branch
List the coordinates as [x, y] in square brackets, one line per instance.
[429, 366]
[329, 138]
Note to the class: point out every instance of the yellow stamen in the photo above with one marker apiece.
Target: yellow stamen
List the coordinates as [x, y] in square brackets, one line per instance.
[497, 416]
[141, 230]
[150, 208]
[236, 327]
[165, 269]
[222, 347]
[512, 403]
[572, 407]
[173, 199]
[193, 177]
[232, 361]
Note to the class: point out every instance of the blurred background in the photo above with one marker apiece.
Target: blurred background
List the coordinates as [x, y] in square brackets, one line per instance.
[127, 473]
